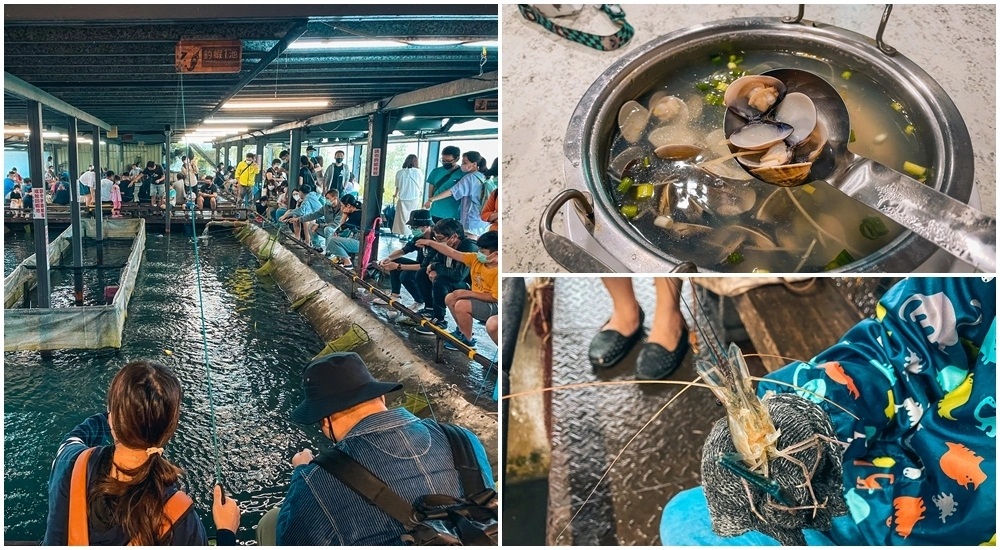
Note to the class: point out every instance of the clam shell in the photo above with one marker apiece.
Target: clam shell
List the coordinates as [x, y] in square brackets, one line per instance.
[760, 135]
[678, 151]
[671, 134]
[812, 146]
[737, 97]
[776, 155]
[619, 163]
[632, 120]
[670, 109]
[786, 175]
[799, 112]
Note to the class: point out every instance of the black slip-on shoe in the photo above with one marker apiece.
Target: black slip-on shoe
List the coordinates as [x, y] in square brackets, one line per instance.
[610, 346]
[656, 362]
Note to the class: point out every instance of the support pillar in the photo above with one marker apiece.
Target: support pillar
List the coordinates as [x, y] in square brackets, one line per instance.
[378, 141]
[168, 183]
[41, 225]
[74, 209]
[293, 162]
[99, 210]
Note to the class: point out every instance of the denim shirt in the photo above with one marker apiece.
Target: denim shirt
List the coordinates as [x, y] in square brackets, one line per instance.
[410, 455]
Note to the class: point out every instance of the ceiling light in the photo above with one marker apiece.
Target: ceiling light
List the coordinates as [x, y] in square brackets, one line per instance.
[445, 121]
[396, 133]
[483, 44]
[433, 42]
[407, 118]
[344, 44]
[238, 121]
[294, 104]
[216, 129]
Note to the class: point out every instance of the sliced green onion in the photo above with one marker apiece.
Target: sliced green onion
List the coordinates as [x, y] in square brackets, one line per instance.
[841, 260]
[846, 75]
[644, 191]
[852, 138]
[897, 106]
[914, 169]
[873, 227]
[703, 86]
[646, 162]
[909, 130]
[734, 258]
[624, 186]
[629, 211]
[717, 58]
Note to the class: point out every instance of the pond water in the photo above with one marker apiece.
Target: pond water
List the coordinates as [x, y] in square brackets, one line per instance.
[257, 348]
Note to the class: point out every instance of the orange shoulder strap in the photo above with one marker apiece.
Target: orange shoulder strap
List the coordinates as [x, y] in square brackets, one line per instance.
[78, 533]
[175, 507]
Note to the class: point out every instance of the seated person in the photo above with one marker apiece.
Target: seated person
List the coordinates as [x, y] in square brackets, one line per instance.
[339, 248]
[909, 402]
[16, 201]
[328, 219]
[208, 193]
[481, 302]
[309, 201]
[62, 190]
[403, 271]
[493, 327]
[28, 199]
[441, 275]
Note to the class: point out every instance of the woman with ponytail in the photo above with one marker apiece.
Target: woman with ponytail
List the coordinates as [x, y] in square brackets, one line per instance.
[470, 191]
[128, 492]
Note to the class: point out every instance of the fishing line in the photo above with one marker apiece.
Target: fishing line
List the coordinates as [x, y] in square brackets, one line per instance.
[204, 332]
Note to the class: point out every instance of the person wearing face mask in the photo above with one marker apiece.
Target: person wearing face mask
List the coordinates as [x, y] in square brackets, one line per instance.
[413, 457]
[470, 190]
[308, 201]
[328, 219]
[481, 302]
[441, 275]
[338, 173]
[339, 248]
[442, 179]
[403, 271]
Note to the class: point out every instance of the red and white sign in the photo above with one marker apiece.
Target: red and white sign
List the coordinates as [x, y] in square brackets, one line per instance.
[38, 202]
[376, 161]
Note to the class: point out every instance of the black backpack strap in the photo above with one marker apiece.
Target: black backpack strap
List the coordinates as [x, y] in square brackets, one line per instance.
[367, 485]
[465, 460]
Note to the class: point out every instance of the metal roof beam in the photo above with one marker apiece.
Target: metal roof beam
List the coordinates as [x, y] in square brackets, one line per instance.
[16, 86]
[448, 90]
[291, 36]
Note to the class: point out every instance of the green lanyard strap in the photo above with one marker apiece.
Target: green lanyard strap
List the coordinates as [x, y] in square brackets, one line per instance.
[603, 43]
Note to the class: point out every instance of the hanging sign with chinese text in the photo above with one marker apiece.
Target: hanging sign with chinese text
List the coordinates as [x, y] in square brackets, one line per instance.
[209, 56]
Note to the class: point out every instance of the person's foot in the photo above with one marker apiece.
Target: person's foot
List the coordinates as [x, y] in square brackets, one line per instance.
[382, 302]
[471, 342]
[657, 361]
[415, 306]
[619, 335]
[424, 329]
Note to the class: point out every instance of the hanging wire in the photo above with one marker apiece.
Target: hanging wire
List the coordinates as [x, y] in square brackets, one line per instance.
[204, 332]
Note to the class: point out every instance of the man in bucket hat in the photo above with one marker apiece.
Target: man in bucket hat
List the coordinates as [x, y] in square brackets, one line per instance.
[411, 456]
[403, 271]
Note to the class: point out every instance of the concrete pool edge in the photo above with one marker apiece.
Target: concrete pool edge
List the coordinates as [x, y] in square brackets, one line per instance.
[389, 357]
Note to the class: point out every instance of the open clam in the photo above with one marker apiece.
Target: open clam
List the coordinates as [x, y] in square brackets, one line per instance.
[669, 108]
[760, 135]
[632, 120]
[799, 112]
[678, 151]
[751, 97]
[784, 175]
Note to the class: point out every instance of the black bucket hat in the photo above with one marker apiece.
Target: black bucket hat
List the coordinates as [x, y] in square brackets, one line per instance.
[335, 383]
[420, 218]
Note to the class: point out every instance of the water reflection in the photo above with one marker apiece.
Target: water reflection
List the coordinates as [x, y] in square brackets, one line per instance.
[256, 348]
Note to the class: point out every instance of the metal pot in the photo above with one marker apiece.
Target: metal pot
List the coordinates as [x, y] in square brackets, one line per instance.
[594, 123]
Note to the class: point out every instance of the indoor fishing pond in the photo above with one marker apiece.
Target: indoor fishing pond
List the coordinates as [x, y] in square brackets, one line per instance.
[256, 346]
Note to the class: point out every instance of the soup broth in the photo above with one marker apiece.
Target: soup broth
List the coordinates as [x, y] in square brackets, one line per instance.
[699, 204]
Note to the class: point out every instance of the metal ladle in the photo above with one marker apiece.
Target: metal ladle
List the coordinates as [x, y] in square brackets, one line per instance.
[957, 228]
